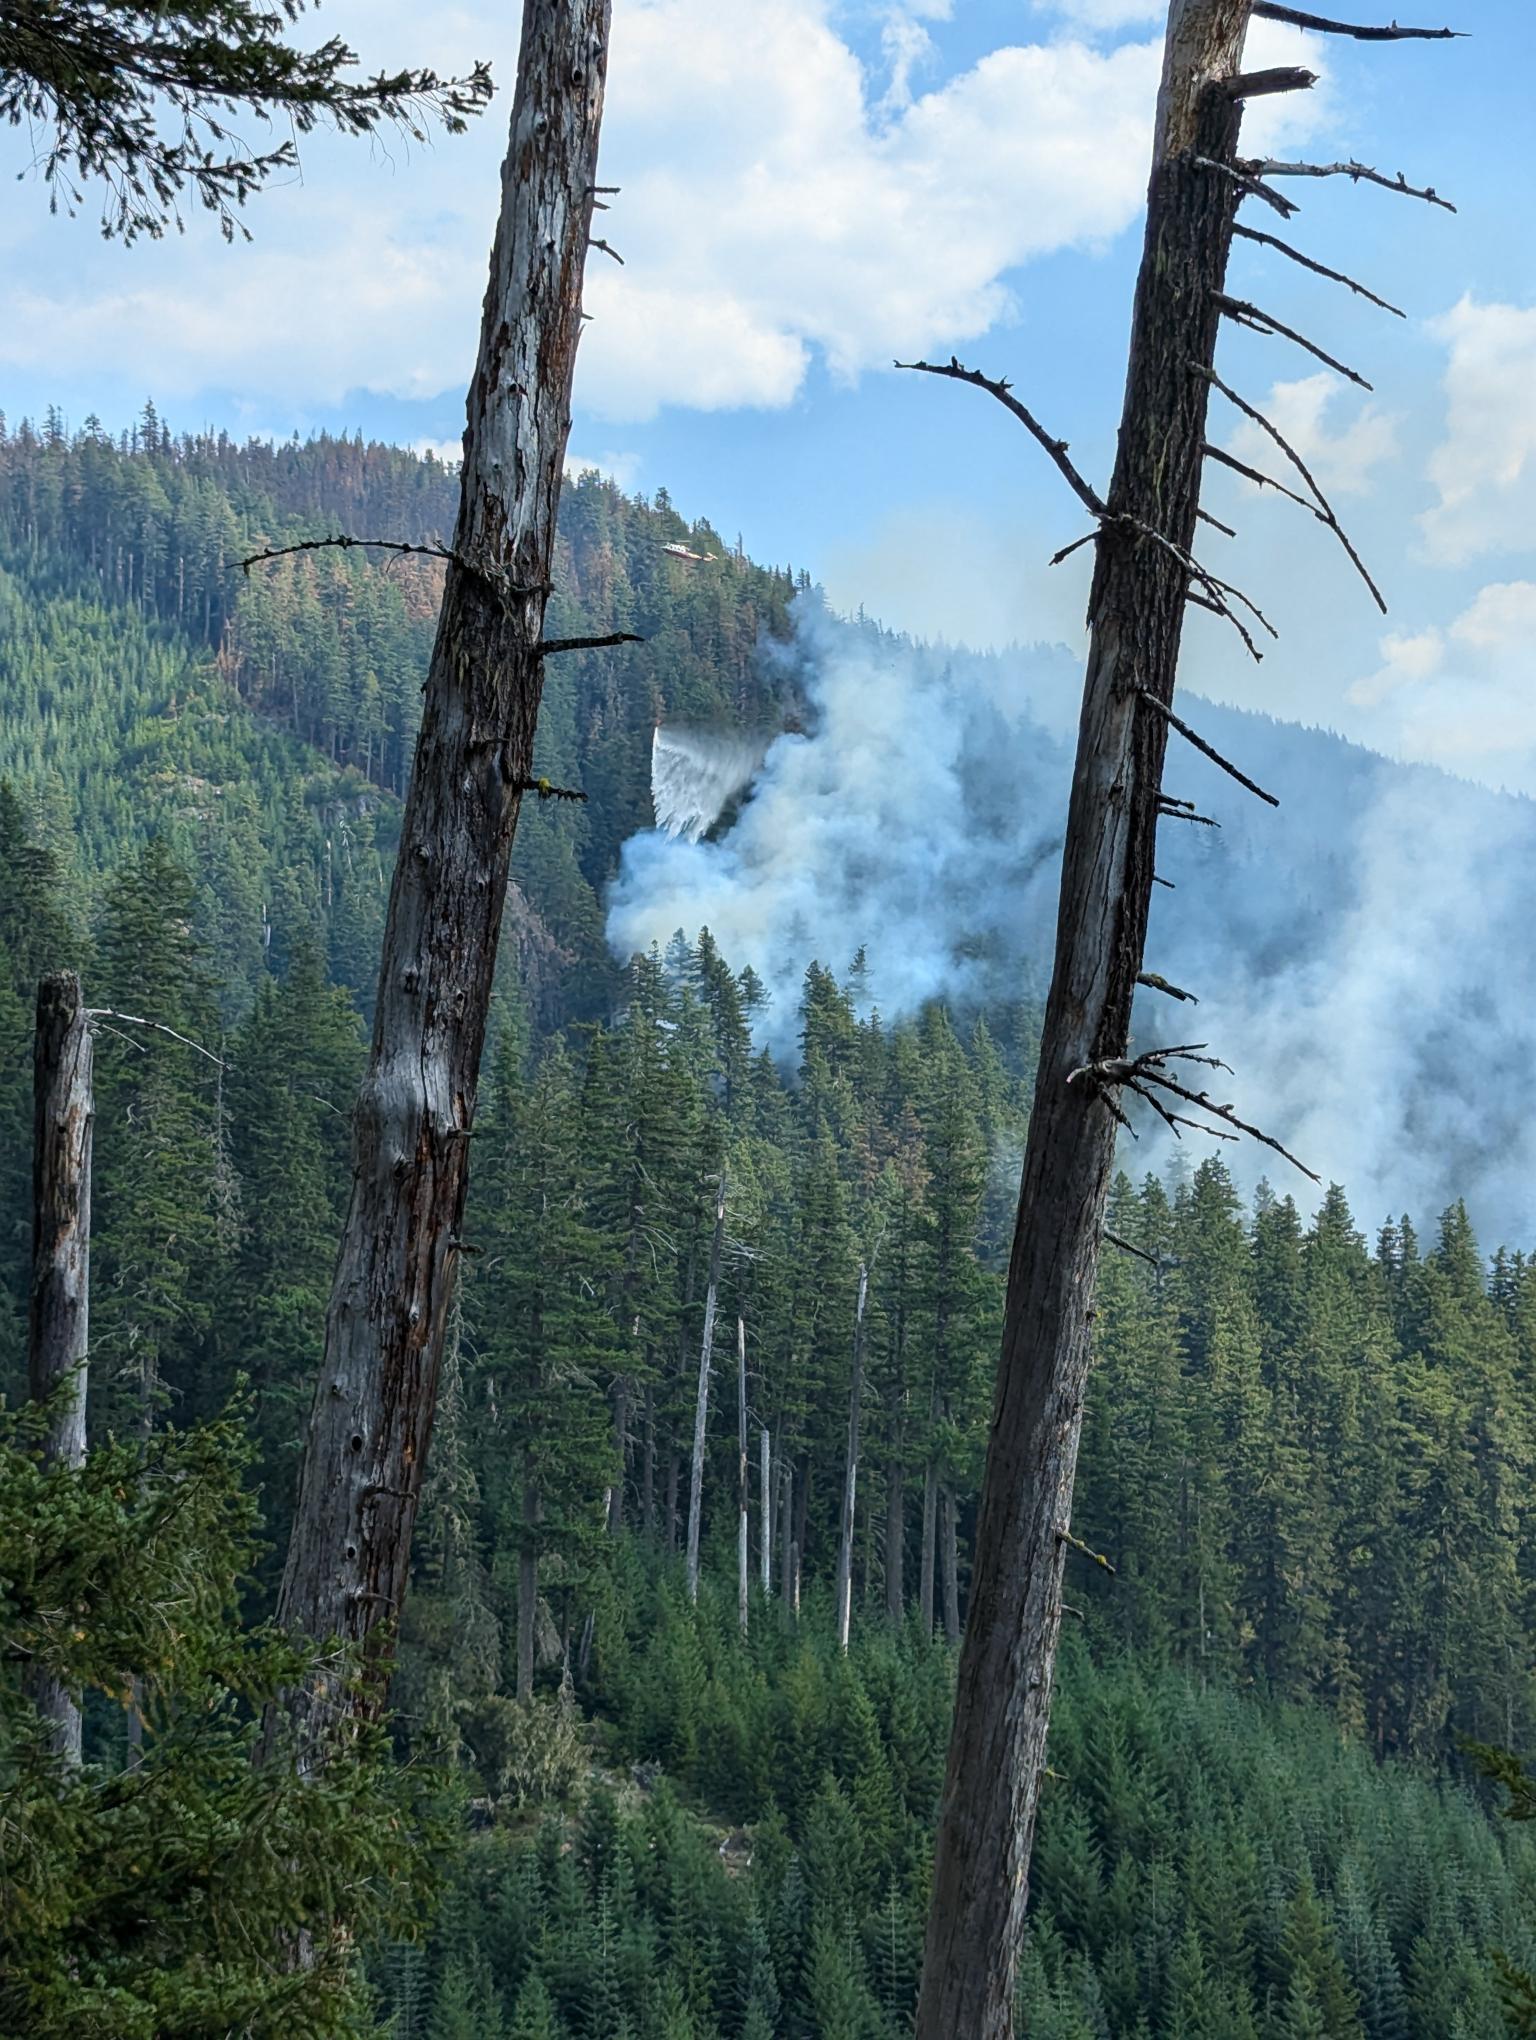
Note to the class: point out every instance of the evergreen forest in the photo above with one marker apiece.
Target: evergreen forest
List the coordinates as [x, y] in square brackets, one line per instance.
[1302, 1584]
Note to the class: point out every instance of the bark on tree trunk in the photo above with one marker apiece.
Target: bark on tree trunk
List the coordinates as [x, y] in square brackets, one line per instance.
[701, 1399]
[765, 1510]
[371, 1424]
[851, 1471]
[997, 1750]
[59, 1316]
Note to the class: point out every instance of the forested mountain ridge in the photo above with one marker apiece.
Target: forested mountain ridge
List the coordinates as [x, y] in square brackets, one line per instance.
[131, 642]
[1307, 1456]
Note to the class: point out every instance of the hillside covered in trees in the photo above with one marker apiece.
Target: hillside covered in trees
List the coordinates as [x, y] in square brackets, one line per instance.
[1307, 1444]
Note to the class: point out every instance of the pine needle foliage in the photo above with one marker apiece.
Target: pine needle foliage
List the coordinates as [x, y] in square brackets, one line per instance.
[158, 1899]
[142, 100]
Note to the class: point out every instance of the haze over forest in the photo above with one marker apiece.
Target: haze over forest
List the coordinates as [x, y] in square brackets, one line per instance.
[525, 1543]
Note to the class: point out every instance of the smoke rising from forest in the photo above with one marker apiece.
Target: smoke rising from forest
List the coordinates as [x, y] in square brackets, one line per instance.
[1361, 957]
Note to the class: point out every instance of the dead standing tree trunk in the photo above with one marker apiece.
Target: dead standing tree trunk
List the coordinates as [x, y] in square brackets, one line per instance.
[58, 1321]
[851, 1470]
[701, 1400]
[372, 1418]
[743, 1490]
[1145, 573]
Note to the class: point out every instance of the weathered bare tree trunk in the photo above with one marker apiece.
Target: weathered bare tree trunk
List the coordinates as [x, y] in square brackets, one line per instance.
[895, 1541]
[648, 1466]
[851, 1470]
[616, 1494]
[527, 1588]
[59, 1316]
[371, 1424]
[787, 1535]
[949, 1542]
[997, 1751]
[701, 1399]
[927, 1556]
[802, 1526]
[765, 1509]
[744, 1497]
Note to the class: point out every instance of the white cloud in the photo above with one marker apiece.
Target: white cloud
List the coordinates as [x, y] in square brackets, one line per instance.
[907, 46]
[770, 208]
[780, 200]
[759, 225]
[1485, 467]
[1344, 457]
[1461, 696]
[1103, 16]
[621, 467]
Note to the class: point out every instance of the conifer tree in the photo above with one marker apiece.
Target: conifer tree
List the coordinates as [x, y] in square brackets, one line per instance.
[102, 79]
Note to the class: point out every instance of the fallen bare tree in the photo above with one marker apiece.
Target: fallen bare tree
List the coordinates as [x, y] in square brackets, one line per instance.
[1146, 573]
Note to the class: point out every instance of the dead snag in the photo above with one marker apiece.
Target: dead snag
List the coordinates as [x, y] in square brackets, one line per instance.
[1136, 610]
[371, 1423]
[58, 1318]
[701, 1399]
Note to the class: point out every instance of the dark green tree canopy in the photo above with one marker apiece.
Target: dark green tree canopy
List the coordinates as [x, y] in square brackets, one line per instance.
[141, 100]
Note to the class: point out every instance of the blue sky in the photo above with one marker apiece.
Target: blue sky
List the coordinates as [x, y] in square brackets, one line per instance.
[811, 188]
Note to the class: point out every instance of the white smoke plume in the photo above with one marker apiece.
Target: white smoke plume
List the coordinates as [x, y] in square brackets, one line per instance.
[1362, 958]
[887, 827]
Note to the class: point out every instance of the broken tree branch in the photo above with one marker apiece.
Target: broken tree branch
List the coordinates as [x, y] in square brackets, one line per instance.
[1358, 173]
[1207, 750]
[1216, 590]
[1258, 84]
[1205, 517]
[1127, 1247]
[1155, 981]
[1295, 17]
[1056, 448]
[547, 790]
[1183, 811]
[586, 644]
[1265, 322]
[606, 249]
[1328, 515]
[1067, 550]
[1087, 1550]
[1253, 474]
[1317, 268]
[1149, 1071]
[344, 542]
[1287, 208]
[1208, 1104]
[155, 1027]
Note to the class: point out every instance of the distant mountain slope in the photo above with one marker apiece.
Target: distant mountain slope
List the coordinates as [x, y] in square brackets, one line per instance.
[146, 683]
[1360, 955]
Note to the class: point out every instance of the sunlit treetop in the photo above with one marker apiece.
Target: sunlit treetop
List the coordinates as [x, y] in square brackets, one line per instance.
[141, 101]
